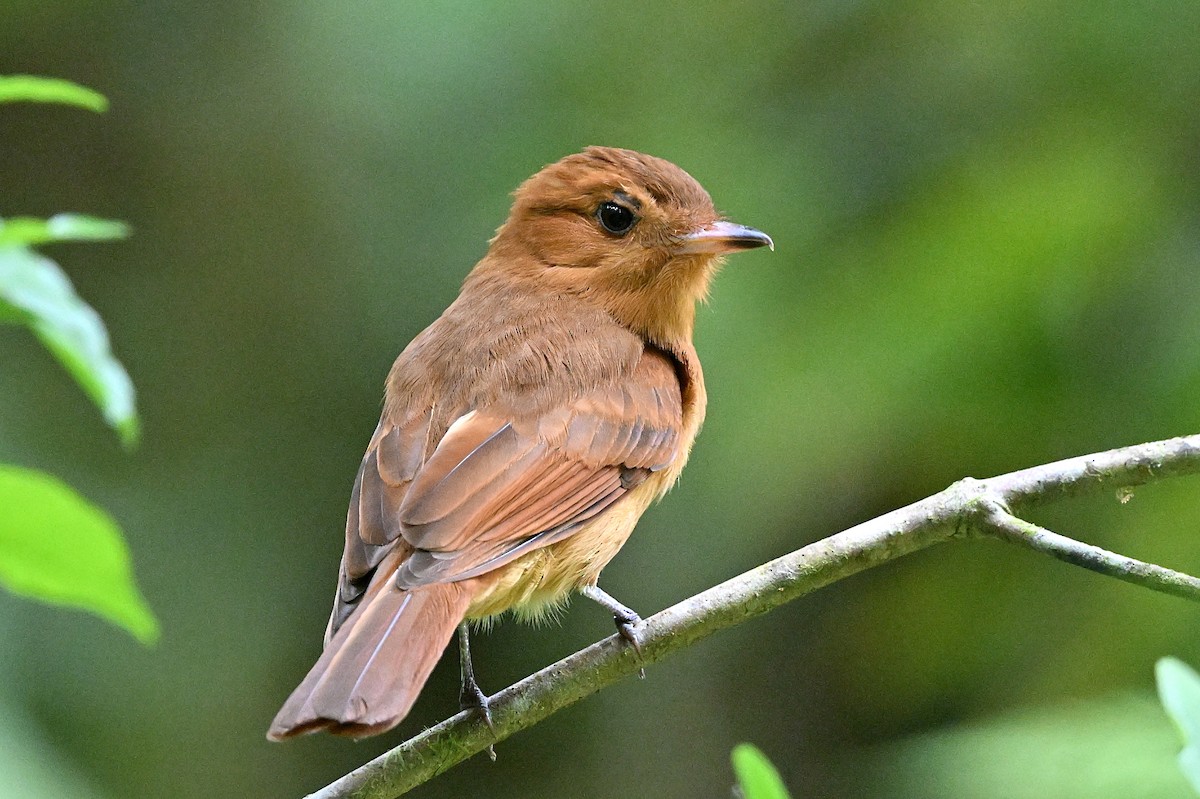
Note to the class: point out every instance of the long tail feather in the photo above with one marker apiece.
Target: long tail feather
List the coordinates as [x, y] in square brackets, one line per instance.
[369, 675]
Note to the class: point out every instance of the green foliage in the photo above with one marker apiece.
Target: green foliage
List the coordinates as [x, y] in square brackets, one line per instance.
[1112, 747]
[58, 547]
[32, 766]
[757, 777]
[34, 291]
[1179, 690]
[32, 89]
[54, 545]
[60, 227]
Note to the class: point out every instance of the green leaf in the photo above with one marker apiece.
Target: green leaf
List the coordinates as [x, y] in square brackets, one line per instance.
[1113, 746]
[57, 547]
[33, 89]
[1179, 691]
[60, 227]
[35, 287]
[34, 765]
[757, 778]
[9, 314]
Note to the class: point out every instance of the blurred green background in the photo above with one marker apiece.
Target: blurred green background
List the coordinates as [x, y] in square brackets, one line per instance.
[986, 217]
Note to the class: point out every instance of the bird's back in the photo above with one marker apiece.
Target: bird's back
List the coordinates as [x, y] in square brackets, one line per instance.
[555, 352]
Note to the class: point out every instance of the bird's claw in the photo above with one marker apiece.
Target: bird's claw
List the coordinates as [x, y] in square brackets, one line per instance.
[472, 697]
[627, 629]
[627, 620]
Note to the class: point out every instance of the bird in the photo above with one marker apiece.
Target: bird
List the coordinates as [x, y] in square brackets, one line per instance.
[523, 433]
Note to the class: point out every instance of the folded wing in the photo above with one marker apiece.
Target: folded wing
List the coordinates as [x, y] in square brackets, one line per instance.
[498, 485]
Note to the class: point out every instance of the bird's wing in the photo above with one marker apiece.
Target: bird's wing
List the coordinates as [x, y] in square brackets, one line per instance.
[393, 459]
[496, 486]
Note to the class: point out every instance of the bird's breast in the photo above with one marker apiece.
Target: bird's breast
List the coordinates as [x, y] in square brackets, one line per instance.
[540, 582]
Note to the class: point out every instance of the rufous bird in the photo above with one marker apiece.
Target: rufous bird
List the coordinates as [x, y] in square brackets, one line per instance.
[524, 432]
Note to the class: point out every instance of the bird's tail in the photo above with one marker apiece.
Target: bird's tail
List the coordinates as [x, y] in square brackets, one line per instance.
[372, 670]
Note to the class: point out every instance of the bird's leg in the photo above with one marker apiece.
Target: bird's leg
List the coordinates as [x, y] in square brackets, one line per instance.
[625, 618]
[471, 696]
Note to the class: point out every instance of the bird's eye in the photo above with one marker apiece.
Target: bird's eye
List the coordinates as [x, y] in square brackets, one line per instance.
[616, 219]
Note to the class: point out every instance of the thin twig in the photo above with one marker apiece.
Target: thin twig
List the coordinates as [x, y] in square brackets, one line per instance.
[1157, 578]
[967, 507]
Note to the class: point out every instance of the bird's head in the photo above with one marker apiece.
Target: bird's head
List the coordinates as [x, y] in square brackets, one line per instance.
[632, 231]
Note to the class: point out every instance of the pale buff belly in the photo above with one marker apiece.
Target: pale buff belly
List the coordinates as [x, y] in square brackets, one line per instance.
[541, 581]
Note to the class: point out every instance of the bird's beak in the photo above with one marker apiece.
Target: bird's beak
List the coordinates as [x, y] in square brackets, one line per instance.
[723, 237]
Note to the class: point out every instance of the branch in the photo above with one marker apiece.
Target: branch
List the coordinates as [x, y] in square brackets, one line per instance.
[969, 507]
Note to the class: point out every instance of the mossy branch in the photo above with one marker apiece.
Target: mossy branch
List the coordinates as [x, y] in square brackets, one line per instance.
[968, 508]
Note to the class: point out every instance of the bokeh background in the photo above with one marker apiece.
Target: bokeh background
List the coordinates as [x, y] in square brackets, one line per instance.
[988, 257]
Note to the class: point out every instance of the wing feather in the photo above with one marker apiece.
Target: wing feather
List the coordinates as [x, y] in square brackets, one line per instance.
[498, 484]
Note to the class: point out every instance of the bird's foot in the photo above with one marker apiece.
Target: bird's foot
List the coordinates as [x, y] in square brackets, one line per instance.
[627, 627]
[470, 695]
[626, 619]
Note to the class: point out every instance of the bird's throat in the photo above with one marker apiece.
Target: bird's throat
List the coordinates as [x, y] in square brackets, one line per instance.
[663, 310]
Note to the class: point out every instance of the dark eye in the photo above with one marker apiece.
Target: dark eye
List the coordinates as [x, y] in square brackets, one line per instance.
[616, 219]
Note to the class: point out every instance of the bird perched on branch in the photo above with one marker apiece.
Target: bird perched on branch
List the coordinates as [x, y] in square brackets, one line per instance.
[524, 432]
